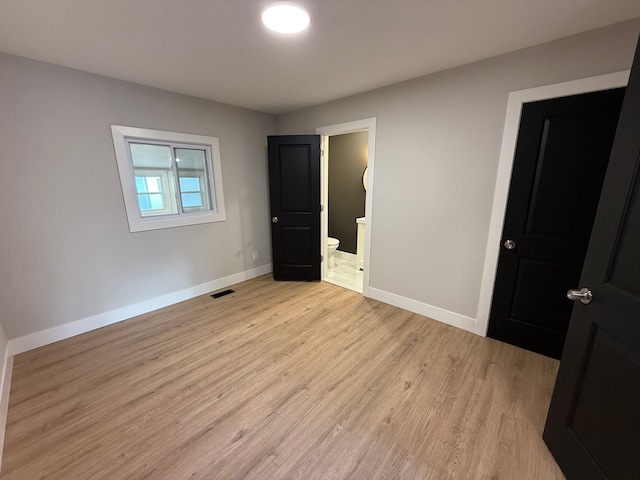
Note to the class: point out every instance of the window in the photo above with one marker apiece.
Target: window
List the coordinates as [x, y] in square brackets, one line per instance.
[168, 179]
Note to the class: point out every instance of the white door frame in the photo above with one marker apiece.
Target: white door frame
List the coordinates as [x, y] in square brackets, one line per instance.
[339, 129]
[505, 165]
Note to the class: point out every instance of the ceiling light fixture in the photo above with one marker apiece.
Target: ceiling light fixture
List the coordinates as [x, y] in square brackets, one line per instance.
[284, 17]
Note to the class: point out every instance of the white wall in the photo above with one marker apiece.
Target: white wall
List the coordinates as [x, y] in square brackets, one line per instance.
[437, 149]
[6, 366]
[3, 364]
[66, 253]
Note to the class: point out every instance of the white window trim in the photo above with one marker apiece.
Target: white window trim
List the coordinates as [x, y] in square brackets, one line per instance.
[137, 223]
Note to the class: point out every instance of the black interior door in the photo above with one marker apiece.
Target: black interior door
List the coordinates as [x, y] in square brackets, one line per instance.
[593, 426]
[294, 177]
[561, 156]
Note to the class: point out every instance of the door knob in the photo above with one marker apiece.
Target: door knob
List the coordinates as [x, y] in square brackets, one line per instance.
[274, 219]
[584, 295]
[509, 244]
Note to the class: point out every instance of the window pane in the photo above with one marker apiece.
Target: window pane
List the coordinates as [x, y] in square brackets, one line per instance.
[150, 202]
[146, 184]
[194, 177]
[150, 156]
[140, 184]
[190, 200]
[145, 204]
[152, 166]
[154, 197]
[189, 184]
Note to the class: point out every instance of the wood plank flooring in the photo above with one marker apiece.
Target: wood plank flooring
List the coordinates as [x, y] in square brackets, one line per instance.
[279, 380]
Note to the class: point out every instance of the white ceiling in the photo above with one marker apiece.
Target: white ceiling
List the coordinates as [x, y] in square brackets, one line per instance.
[219, 50]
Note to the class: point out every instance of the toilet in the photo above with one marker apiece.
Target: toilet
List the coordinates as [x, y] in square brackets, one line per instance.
[332, 246]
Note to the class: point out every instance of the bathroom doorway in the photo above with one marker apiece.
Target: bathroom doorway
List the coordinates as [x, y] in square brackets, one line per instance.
[346, 197]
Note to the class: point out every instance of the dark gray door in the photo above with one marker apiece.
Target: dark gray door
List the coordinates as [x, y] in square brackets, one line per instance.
[561, 157]
[294, 177]
[593, 426]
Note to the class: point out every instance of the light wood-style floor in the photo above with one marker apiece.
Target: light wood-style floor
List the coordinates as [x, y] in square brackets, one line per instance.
[279, 381]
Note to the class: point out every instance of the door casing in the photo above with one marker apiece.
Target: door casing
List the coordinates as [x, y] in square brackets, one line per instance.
[368, 124]
[505, 165]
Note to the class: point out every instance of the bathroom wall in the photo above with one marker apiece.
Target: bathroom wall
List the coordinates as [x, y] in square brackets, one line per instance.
[347, 161]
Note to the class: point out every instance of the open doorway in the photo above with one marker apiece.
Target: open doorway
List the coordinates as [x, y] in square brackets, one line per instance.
[354, 147]
[347, 164]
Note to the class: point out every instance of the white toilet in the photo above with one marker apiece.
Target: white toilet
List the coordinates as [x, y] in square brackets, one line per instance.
[332, 246]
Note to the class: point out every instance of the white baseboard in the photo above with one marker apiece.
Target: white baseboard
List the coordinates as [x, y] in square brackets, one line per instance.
[6, 367]
[5, 387]
[345, 255]
[71, 329]
[436, 313]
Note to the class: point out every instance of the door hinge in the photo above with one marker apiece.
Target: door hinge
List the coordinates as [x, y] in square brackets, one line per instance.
[321, 259]
[322, 208]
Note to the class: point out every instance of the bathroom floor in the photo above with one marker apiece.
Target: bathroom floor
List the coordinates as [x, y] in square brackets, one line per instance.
[345, 274]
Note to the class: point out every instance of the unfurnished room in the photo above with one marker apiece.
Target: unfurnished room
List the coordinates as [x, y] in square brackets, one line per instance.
[337, 240]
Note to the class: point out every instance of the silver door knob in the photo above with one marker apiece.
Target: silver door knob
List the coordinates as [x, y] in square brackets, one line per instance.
[584, 295]
[274, 219]
[509, 244]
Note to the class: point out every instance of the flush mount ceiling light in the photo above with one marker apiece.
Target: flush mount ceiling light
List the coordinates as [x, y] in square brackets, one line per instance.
[285, 18]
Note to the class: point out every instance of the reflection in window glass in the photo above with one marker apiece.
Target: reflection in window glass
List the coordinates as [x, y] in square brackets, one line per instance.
[191, 200]
[168, 179]
[153, 170]
[189, 184]
[191, 192]
[144, 155]
[193, 177]
[149, 194]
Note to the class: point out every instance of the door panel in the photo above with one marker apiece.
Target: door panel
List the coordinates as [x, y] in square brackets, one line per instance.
[295, 174]
[560, 161]
[604, 419]
[624, 273]
[566, 159]
[294, 178]
[297, 246]
[545, 278]
[593, 425]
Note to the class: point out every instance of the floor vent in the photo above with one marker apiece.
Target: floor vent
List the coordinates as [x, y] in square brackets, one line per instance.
[221, 294]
